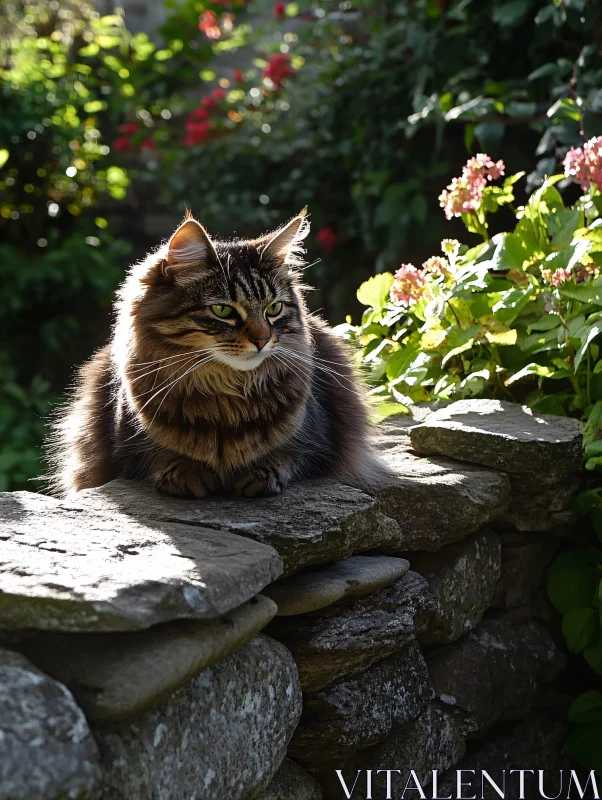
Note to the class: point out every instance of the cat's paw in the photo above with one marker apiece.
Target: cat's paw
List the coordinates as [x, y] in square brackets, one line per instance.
[187, 479]
[259, 482]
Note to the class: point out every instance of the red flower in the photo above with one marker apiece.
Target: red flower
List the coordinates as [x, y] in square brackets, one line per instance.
[327, 238]
[197, 132]
[208, 104]
[218, 94]
[147, 144]
[208, 24]
[278, 69]
[129, 127]
[279, 10]
[238, 76]
[122, 143]
[198, 114]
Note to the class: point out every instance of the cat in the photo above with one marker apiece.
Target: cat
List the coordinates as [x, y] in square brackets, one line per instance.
[217, 379]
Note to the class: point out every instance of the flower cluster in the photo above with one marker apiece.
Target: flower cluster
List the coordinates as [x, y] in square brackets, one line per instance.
[408, 284]
[124, 142]
[437, 266]
[278, 69]
[559, 276]
[584, 164]
[465, 193]
[327, 238]
[198, 123]
[209, 25]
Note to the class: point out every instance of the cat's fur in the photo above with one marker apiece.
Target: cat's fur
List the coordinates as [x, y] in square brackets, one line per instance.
[199, 404]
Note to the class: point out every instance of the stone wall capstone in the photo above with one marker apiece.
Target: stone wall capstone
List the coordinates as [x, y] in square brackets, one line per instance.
[406, 624]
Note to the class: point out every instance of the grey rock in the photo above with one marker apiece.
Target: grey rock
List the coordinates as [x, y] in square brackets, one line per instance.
[360, 711]
[321, 586]
[292, 782]
[312, 523]
[525, 559]
[494, 672]
[434, 741]
[348, 637]
[540, 508]
[438, 501]
[463, 578]
[46, 748]
[505, 436]
[223, 735]
[73, 566]
[531, 744]
[116, 676]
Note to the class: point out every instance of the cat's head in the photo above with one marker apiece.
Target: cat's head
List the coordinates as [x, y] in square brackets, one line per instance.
[237, 302]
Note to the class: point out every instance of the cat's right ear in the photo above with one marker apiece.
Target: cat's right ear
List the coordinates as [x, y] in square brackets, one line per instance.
[189, 250]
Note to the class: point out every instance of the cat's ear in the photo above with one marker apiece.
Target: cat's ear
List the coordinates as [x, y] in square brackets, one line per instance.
[285, 247]
[189, 250]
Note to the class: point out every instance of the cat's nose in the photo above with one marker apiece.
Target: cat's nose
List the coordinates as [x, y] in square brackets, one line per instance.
[260, 343]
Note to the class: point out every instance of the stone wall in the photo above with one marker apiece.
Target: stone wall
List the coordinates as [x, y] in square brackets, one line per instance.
[404, 627]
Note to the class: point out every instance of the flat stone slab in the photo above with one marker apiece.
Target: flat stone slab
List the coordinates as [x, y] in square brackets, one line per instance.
[115, 677]
[292, 782]
[46, 748]
[360, 711]
[463, 578]
[349, 637]
[505, 436]
[494, 672]
[223, 735]
[321, 586]
[76, 566]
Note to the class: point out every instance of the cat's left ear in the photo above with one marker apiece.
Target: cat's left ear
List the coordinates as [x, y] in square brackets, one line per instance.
[189, 250]
[285, 246]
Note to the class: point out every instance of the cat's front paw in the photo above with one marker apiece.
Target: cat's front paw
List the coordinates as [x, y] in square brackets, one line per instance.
[183, 478]
[259, 482]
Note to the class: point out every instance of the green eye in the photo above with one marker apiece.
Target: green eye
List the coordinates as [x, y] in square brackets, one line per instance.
[274, 309]
[223, 312]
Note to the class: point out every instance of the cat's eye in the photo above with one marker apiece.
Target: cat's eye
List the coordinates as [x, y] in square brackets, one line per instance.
[223, 312]
[274, 309]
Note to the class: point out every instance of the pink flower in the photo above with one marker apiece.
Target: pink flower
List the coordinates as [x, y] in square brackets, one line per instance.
[279, 10]
[147, 144]
[129, 128]
[327, 238]
[465, 193]
[408, 285]
[278, 69]
[238, 76]
[208, 24]
[198, 115]
[437, 265]
[560, 276]
[197, 132]
[584, 164]
[218, 94]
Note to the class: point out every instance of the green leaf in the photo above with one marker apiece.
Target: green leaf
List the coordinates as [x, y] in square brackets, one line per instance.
[584, 744]
[572, 580]
[593, 656]
[511, 304]
[579, 627]
[529, 370]
[511, 13]
[375, 291]
[3, 157]
[587, 336]
[587, 708]
[385, 410]
[399, 361]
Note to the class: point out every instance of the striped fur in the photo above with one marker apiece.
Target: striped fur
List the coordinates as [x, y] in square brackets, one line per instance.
[203, 404]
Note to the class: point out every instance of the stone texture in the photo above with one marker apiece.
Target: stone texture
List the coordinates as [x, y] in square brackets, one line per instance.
[321, 586]
[348, 637]
[525, 559]
[433, 741]
[72, 566]
[292, 782]
[116, 676]
[540, 508]
[360, 711]
[223, 735]
[46, 748]
[438, 501]
[505, 436]
[463, 578]
[494, 672]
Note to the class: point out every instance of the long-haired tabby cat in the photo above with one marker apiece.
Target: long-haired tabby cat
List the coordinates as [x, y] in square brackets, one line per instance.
[216, 378]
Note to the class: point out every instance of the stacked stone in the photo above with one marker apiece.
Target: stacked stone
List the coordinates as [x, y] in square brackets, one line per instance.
[410, 617]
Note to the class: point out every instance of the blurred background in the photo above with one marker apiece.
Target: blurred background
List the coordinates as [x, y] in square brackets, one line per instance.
[116, 117]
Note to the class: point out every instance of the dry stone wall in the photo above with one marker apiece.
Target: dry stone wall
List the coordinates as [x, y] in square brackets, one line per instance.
[402, 627]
